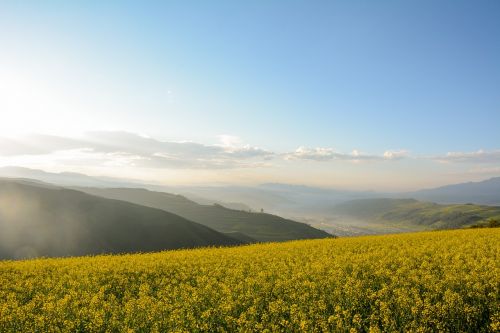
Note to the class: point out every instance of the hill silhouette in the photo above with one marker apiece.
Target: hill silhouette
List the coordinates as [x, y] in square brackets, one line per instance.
[486, 192]
[39, 219]
[259, 226]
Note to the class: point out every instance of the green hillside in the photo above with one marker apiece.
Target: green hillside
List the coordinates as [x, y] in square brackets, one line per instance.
[44, 220]
[418, 214]
[259, 226]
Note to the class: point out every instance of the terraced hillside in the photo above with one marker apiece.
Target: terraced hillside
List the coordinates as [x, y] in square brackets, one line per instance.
[417, 214]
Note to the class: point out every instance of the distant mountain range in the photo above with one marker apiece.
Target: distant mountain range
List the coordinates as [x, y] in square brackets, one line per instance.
[63, 178]
[284, 199]
[79, 179]
[38, 219]
[293, 200]
[290, 200]
[486, 192]
[236, 209]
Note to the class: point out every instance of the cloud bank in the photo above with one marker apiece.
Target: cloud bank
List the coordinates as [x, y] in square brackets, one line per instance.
[130, 149]
[138, 150]
[479, 156]
[329, 154]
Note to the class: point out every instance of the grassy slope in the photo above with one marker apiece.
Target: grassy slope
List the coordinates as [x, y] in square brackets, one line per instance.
[417, 214]
[443, 281]
[259, 226]
[49, 221]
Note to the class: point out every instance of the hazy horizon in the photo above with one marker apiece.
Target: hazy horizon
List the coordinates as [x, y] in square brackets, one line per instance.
[354, 95]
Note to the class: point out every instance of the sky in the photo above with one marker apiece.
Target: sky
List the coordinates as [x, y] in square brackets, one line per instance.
[385, 95]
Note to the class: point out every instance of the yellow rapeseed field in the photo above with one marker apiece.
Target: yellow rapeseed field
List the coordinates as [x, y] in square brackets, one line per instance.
[424, 282]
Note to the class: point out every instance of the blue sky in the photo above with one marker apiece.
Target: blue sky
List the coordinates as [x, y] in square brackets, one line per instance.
[370, 76]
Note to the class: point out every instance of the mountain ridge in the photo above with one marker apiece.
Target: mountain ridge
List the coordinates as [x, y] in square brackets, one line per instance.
[40, 221]
[485, 192]
[259, 226]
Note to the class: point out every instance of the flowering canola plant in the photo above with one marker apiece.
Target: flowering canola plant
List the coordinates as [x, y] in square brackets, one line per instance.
[445, 281]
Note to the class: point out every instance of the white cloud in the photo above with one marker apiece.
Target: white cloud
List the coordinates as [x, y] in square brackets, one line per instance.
[136, 150]
[480, 156]
[329, 154]
[395, 154]
[114, 148]
[316, 154]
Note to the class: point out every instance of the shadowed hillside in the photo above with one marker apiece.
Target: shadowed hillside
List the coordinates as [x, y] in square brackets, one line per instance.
[259, 226]
[43, 220]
